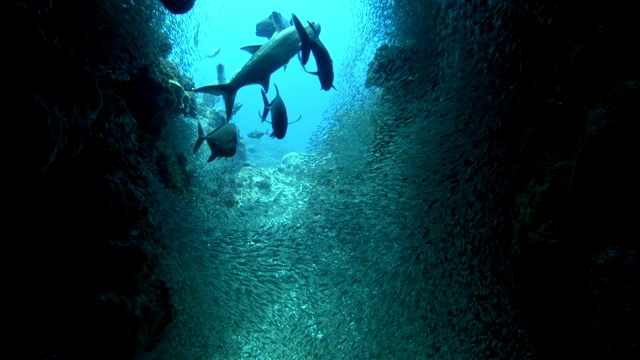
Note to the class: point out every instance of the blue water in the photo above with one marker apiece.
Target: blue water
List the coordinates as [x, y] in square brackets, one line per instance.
[230, 26]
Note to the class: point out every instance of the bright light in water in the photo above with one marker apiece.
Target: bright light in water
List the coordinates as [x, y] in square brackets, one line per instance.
[230, 25]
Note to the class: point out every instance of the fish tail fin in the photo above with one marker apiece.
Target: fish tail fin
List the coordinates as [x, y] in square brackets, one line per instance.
[305, 40]
[227, 91]
[229, 102]
[199, 140]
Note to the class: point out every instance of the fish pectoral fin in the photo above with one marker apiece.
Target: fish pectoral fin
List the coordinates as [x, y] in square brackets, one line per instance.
[264, 114]
[264, 82]
[299, 117]
[251, 49]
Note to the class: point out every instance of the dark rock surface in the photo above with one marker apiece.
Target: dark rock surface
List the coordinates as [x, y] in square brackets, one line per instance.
[497, 171]
[88, 104]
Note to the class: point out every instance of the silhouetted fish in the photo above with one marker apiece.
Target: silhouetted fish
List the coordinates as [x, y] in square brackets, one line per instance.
[278, 21]
[257, 134]
[279, 118]
[213, 54]
[324, 62]
[222, 78]
[270, 25]
[223, 141]
[266, 59]
[265, 28]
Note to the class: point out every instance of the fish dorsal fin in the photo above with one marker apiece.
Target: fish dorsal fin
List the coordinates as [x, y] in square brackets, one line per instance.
[305, 41]
[313, 28]
[251, 49]
[275, 98]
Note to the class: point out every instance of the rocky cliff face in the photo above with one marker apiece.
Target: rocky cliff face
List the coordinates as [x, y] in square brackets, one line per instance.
[473, 196]
[89, 92]
[528, 133]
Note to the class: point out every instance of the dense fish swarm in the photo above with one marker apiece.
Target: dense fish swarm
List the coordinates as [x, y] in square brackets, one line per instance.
[419, 227]
[461, 200]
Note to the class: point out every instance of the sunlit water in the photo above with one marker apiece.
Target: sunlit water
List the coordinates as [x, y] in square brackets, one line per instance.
[229, 26]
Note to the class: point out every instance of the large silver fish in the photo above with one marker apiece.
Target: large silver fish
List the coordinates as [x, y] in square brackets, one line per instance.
[266, 59]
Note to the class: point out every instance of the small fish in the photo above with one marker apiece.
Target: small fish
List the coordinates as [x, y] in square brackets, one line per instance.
[257, 134]
[265, 28]
[270, 25]
[223, 141]
[213, 54]
[266, 59]
[278, 21]
[222, 78]
[324, 62]
[196, 36]
[279, 118]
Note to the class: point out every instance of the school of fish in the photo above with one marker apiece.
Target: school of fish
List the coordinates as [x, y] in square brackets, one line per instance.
[285, 40]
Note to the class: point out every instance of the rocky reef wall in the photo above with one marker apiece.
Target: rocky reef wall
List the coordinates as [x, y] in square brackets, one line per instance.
[504, 128]
[87, 91]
